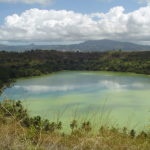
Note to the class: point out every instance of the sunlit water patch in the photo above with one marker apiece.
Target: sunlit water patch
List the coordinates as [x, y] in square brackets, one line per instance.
[119, 98]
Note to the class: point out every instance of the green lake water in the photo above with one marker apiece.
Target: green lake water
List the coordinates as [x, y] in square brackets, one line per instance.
[120, 99]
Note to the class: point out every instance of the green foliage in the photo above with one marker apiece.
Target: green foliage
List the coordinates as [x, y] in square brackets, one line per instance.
[73, 125]
[132, 133]
[143, 135]
[86, 126]
[15, 110]
[33, 63]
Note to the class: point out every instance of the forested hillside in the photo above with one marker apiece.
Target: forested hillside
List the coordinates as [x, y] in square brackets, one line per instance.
[32, 63]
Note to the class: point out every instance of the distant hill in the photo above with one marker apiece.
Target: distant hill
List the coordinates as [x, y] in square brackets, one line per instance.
[95, 45]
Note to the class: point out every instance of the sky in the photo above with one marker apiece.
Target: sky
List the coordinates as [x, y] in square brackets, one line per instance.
[71, 21]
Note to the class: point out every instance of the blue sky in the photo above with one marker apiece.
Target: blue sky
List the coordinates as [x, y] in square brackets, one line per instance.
[83, 7]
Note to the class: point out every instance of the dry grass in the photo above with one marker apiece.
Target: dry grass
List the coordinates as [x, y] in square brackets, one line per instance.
[15, 137]
[12, 137]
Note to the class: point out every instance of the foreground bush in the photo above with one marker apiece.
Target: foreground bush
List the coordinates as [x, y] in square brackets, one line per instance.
[18, 131]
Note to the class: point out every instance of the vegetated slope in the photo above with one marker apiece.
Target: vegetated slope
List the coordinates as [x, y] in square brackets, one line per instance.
[95, 45]
[19, 131]
[32, 63]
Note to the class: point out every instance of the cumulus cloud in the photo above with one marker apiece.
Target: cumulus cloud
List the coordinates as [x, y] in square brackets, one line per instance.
[27, 1]
[37, 25]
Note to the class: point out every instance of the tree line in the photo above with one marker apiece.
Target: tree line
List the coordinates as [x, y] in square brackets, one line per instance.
[36, 62]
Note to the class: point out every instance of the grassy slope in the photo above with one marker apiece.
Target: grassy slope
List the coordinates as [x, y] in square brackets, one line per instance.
[14, 135]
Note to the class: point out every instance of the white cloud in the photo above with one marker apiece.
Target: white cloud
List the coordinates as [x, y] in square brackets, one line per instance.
[37, 25]
[27, 1]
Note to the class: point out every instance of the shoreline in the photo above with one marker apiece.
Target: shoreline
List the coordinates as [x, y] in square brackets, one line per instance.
[97, 73]
[48, 74]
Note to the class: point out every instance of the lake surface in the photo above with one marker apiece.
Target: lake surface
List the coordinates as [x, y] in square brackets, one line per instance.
[103, 97]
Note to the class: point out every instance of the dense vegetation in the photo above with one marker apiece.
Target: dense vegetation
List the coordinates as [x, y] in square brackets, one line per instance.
[19, 131]
[32, 63]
